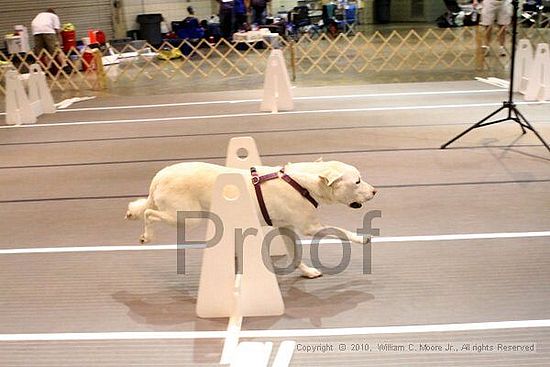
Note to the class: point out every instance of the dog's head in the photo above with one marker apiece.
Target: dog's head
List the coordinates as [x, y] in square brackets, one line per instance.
[346, 184]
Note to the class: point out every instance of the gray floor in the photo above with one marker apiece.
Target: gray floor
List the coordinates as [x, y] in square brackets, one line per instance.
[69, 185]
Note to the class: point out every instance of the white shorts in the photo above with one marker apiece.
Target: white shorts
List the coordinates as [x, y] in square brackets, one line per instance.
[499, 9]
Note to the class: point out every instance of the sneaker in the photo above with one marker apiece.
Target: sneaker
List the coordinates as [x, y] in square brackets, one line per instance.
[485, 50]
[501, 51]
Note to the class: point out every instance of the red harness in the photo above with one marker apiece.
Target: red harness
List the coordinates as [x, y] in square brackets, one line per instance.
[257, 180]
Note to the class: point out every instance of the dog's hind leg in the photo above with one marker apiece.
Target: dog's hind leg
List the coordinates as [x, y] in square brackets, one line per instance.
[150, 217]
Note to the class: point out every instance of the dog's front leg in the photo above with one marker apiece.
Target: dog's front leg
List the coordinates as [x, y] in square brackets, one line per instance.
[330, 231]
[307, 271]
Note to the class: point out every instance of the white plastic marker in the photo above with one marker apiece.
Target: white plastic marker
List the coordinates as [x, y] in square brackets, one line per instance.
[252, 354]
[494, 81]
[22, 108]
[289, 333]
[70, 101]
[242, 153]
[40, 97]
[524, 63]
[284, 354]
[277, 93]
[538, 85]
[18, 106]
[231, 342]
[428, 238]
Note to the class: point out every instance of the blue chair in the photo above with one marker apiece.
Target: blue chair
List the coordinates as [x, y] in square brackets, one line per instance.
[350, 17]
[190, 29]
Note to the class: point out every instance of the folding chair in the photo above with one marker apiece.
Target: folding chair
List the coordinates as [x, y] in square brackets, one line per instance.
[350, 18]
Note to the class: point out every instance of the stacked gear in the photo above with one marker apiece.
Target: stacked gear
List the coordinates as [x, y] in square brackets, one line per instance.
[68, 35]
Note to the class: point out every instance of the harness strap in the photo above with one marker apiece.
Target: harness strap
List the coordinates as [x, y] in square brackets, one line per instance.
[257, 180]
[302, 190]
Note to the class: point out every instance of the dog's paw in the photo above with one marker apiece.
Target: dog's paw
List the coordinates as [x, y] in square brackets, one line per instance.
[310, 273]
[362, 240]
[144, 239]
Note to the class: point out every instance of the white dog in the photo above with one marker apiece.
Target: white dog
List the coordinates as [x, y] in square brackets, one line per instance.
[188, 187]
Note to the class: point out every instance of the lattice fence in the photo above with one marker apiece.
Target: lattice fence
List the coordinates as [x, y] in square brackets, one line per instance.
[431, 50]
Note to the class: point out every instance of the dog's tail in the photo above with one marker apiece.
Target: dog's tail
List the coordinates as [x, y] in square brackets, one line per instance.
[137, 207]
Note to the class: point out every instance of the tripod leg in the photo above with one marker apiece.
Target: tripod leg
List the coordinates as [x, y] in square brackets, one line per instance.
[530, 127]
[476, 125]
[518, 120]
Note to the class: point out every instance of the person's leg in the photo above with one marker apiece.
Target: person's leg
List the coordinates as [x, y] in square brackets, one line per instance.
[262, 15]
[225, 23]
[487, 20]
[51, 42]
[488, 34]
[504, 17]
[38, 43]
[240, 19]
[54, 49]
[501, 36]
[258, 14]
[255, 14]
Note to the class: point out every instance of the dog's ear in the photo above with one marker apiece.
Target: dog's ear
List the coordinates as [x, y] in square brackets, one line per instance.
[320, 159]
[330, 175]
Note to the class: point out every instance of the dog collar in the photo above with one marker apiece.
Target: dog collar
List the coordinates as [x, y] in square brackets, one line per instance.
[257, 181]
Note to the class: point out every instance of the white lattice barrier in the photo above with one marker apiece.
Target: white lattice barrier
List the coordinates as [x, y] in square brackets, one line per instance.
[379, 52]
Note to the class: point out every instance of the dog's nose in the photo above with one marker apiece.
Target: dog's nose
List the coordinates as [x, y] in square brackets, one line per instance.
[374, 191]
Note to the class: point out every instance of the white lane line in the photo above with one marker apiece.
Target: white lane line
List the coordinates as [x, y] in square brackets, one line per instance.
[267, 114]
[289, 333]
[445, 237]
[237, 101]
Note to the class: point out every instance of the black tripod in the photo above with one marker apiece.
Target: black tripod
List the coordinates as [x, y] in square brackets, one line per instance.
[513, 112]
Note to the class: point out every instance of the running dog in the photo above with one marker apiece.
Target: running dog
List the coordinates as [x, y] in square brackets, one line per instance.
[289, 196]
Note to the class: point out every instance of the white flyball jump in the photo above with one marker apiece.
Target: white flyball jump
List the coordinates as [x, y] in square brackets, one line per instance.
[242, 153]
[23, 108]
[524, 60]
[538, 86]
[228, 291]
[248, 286]
[277, 94]
[532, 77]
[222, 292]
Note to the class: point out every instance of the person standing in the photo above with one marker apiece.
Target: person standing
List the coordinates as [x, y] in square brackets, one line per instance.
[499, 11]
[226, 18]
[46, 28]
[240, 15]
[258, 11]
